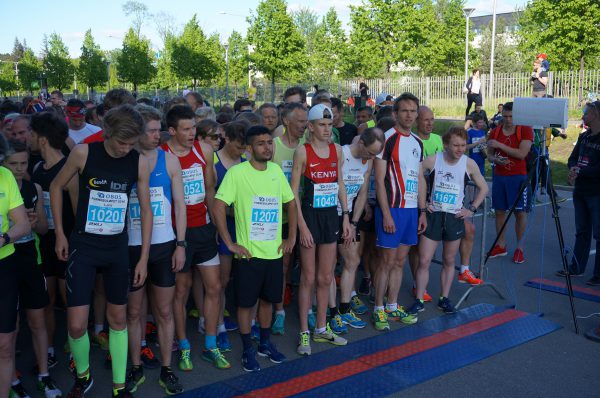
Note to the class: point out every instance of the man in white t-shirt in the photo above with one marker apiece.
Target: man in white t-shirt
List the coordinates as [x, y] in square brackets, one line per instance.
[79, 130]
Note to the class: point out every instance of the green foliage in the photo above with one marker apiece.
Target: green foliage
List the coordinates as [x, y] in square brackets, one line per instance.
[30, 69]
[568, 31]
[58, 66]
[165, 78]
[92, 66]
[238, 58]
[506, 57]
[8, 78]
[18, 50]
[278, 45]
[329, 49]
[195, 57]
[135, 63]
[307, 23]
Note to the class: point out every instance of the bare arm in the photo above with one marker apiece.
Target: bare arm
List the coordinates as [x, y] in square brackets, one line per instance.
[174, 170]
[342, 194]
[20, 227]
[297, 172]
[209, 176]
[74, 164]
[143, 192]
[517, 153]
[287, 246]
[361, 198]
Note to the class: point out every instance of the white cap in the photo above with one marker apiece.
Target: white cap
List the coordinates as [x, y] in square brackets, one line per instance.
[320, 111]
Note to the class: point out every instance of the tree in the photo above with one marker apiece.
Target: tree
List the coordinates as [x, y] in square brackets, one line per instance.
[165, 25]
[506, 57]
[92, 66]
[238, 58]
[8, 77]
[58, 66]
[18, 50]
[568, 31]
[307, 23]
[30, 71]
[140, 14]
[135, 63]
[193, 55]
[278, 46]
[330, 48]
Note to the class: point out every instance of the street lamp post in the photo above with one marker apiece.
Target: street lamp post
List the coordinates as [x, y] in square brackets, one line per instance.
[226, 45]
[107, 75]
[467, 12]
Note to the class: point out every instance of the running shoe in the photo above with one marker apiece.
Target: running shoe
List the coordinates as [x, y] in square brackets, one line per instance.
[352, 320]
[498, 251]
[468, 277]
[18, 391]
[358, 306]
[278, 327]
[426, 296]
[337, 325]
[380, 321]
[304, 344]
[223, 343]
[518, 257]
[563, 274]
[400, 315]
[418, 306]
[249, 362]
[52, 361]
[185, 360]
[445, 305]
[48, 387]
[122, 393]
[329, 337]
[81, 387]
[312, 321]
[135, 378]
[365, 286]
[216, 358]
[100, 340]
[269, 350]
[230, 324]
[170, 382]
[255, 332]
[148, 359]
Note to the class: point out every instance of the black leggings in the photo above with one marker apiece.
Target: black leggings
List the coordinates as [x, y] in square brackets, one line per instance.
[472, 98]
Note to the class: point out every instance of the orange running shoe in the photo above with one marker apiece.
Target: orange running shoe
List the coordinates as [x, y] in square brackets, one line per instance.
[468, 277]
[498, 251]
[426, 297]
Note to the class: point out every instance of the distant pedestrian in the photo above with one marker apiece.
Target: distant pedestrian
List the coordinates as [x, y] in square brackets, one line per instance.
[473, 90]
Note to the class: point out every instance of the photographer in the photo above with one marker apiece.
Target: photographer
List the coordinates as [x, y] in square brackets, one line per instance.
[539, 80]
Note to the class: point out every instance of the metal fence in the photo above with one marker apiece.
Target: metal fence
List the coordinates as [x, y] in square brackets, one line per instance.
[439, 92]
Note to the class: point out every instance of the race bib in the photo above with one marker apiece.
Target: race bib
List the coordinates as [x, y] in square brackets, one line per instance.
[325, 195]
[193, 185]
[411, 192]
[264, 222]
[475, 141]
[353, 182]
[106, 213]
[48, 209]
[287, 166]
[445, 197]
[157, 203]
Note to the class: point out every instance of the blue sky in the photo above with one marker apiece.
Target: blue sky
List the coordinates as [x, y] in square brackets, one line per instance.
[30, 21]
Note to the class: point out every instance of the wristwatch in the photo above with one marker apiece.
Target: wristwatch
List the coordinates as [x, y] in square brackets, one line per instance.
[473, 209]
[6, 239]
[345, 213]
[423, 210]
[181, 243]
[354, 223]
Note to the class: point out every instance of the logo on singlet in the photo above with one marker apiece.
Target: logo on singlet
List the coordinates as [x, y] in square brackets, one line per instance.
[448, 176]
[95, 182]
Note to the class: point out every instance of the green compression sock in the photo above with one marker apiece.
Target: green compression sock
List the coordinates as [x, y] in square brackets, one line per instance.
[81, 352]
[117, 345]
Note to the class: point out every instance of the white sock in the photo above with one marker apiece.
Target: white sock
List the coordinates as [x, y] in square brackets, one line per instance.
[320, 330]
[42, 375]
[310, 311]
[15, 382]
[222, 328]
[376, 308]
[144, 344]
[253, 322]
[98, 328]
[464, 268]
[51, 350]
[280, 312]
[391, 306]
[353, 293]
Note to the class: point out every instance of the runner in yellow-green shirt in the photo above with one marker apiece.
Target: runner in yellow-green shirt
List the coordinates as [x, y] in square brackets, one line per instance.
[257, 189]
[13, 210]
